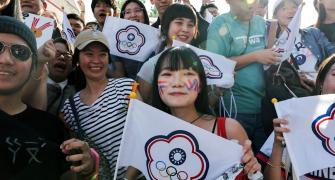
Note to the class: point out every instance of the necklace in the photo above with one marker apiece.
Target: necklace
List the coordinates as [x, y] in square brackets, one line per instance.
[196, 119]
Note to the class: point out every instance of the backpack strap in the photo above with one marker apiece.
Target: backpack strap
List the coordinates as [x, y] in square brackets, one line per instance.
[221, 123]
[272, 33]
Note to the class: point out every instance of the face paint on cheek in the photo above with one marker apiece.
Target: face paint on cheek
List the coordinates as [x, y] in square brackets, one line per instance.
[192, 85]
[161, 86]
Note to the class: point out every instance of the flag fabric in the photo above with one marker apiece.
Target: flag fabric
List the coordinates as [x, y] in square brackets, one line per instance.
[311, 141]
[219, 70]
[41, 26]
[285, 43]
[164, 147]
[67, 31]
[130, 39]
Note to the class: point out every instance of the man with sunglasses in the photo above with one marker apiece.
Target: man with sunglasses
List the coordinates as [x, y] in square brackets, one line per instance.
[32, 142]
[58, 89]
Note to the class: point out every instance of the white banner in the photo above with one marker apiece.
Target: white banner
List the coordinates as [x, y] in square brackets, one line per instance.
[67, 31]
[219, 70]
[311, 141]
[131, 40]
[41, 26]
[164, 147]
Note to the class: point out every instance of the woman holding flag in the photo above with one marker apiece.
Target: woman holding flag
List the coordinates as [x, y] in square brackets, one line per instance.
[311, 45]
[180, 89]
[180, 23]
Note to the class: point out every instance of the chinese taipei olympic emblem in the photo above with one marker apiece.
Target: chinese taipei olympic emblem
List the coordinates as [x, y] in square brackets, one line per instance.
[322, 128]
[175, 156]
[211, 70]
[129, 40]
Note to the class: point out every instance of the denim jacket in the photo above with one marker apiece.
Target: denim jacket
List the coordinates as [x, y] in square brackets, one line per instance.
[317, 43]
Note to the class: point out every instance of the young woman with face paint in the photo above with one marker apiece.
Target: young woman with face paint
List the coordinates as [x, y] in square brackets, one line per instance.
[179, 88]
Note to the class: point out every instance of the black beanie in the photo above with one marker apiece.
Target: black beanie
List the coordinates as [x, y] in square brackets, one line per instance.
[10, 25]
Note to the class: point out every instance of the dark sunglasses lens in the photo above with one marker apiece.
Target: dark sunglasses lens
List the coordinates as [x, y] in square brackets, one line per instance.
[2, 46]
[20, 52]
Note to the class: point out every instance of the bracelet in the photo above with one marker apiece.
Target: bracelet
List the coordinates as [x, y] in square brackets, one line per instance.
[282, 165]
[97, 159]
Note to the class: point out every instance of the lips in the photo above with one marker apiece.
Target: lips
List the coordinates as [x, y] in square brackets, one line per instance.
[177, 94]
[183, 38]
[6, 72]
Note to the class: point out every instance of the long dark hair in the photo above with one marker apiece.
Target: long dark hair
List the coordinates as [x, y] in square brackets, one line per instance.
[322, 14]
[181, 58]
[322, 73]
[125, 4]
[175, 11]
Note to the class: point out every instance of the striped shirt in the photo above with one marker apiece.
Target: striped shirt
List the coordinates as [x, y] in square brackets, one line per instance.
[104, 119]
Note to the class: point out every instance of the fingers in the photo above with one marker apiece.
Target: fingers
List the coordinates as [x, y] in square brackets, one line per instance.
[74, 144]
[278, 122]
[250, 161]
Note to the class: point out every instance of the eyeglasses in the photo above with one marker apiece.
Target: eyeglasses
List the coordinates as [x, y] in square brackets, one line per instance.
[19, 51]
[66, 55]
[136, 11]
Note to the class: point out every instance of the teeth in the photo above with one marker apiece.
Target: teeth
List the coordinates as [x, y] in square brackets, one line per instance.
[4, 73]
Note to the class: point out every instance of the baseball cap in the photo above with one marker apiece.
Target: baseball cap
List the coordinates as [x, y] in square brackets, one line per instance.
[88, 36]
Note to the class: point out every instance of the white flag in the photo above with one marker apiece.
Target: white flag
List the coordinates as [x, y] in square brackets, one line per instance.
[285, 43]
[219, 70]
[164, 147]
[67, 32]
[131, 40]
[41, 26]
[311, 141]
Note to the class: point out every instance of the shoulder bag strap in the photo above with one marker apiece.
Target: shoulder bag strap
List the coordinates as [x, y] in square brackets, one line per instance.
[76, 117]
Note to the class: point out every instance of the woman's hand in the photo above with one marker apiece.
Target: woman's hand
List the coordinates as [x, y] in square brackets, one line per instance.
[250, 161]
[280, 130]
[78, 151]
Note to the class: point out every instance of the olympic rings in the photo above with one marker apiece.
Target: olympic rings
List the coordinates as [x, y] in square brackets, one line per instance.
[159, 164]
[170, 171]
[129, 45]
[182, 175]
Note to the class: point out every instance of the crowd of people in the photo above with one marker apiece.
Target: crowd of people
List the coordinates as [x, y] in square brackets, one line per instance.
[63, 107]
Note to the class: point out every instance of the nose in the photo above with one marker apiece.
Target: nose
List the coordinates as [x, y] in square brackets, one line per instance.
[6, 56]
[176, 80]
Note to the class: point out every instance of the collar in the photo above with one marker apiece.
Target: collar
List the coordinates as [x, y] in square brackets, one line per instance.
[61, 84]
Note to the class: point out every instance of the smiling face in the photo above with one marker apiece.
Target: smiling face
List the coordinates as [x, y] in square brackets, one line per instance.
[93, 61]
[134, 12]
[14, 73]
[182, 29]
[61, 66]
[285, 12]
[100, 12]
[178, 88]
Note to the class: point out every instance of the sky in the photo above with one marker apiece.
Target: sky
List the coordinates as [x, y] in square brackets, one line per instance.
[309, 14]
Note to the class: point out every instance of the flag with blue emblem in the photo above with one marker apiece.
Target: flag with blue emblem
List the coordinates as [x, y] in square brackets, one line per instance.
[218, 69]
[164, 147]
[67, 32]
[130, 39]
[311, 140]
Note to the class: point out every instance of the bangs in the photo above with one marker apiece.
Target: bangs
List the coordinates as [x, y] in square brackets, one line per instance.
[177, 60]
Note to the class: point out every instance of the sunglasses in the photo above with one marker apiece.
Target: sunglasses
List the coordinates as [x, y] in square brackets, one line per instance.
[20, 52]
